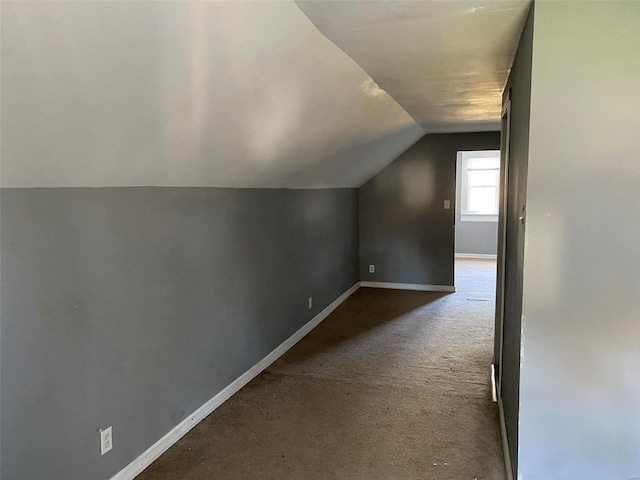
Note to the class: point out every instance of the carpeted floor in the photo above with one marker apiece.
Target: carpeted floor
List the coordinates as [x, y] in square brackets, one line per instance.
[392, 385]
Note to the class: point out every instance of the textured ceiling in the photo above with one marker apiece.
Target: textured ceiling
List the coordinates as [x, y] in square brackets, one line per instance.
[446, 62]
[228, 94]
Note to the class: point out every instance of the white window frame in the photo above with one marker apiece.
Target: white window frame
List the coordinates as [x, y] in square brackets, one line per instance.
[465, 215]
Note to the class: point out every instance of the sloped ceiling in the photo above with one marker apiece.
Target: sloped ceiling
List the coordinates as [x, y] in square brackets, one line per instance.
[446, 62]
[239, 94]
[229, 94]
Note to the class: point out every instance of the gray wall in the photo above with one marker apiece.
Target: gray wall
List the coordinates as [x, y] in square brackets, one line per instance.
[404, 229]
[580, 373]
[474, 237]
[519, 86]
[131, 307]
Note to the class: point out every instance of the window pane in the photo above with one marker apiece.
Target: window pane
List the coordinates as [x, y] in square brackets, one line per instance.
[484, 162]
[483, 178]
[483, 200]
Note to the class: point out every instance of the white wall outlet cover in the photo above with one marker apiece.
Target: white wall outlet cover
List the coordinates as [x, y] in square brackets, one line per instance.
[106, 440]
[372, 268]
[447, 204]
[310, 302]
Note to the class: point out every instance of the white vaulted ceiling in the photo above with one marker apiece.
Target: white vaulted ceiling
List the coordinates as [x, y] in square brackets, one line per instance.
[229, 94]
[445, 61]
[237, 94]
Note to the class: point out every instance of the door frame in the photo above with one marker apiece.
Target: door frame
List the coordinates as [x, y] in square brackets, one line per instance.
[502, 244]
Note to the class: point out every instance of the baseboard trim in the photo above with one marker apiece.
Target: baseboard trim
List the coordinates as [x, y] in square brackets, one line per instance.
[152, 453]
[494, 391]
[505, 441]
[409, 286]
[480, 256]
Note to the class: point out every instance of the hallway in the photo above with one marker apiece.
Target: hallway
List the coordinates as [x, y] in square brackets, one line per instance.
[392, 385]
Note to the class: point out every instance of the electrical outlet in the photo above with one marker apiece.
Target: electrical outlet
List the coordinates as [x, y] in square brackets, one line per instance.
[106, 440]
[372, 268]
[310, 302]
[447, 204]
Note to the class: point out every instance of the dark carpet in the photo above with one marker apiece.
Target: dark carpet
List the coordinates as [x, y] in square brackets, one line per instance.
[392, 385]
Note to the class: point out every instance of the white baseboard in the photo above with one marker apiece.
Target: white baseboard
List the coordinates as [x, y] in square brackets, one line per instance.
[482, 256]
[494, 391]
[505, 441]
[410, 286]
[148, 457]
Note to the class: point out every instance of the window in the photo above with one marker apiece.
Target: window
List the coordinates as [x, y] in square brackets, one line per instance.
[480, 185]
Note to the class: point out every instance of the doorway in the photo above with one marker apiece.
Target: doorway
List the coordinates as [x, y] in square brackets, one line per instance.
[476, 222]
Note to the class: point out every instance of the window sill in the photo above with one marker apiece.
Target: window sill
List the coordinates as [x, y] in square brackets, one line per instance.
[475, 217]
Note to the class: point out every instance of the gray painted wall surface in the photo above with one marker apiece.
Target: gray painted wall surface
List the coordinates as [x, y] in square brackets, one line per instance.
[520, 85]
[474, 237]
[404, 229]
[131, 307]
[580, 374]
